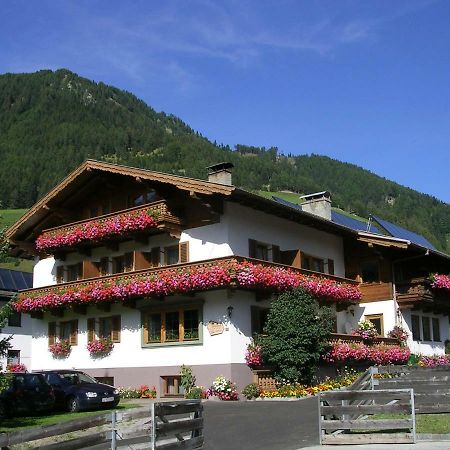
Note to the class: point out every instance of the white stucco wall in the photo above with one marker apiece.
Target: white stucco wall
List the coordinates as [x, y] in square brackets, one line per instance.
[228, 347]
[427, 347]
[21, 340]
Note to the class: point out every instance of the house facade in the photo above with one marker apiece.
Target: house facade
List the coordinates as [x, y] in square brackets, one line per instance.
[18, 325]
[173, 270]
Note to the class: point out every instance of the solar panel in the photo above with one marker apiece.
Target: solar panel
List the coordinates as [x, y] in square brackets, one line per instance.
[403, 233]
[352, 223]
[286, 203]
[14, 280]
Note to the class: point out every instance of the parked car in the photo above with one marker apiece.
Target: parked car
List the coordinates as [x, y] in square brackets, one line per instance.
[75, 390]
[27, 394]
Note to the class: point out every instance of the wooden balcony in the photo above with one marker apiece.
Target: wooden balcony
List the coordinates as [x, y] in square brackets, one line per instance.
[350, 339]
[417, 293]
[177, 270]
[374, 292]
[164, 217]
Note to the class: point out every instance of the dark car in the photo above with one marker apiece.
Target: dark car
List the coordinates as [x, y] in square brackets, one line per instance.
[27, 393]
[75, 390]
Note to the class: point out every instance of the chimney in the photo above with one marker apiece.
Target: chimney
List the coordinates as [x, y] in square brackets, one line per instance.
[318, 204]
[220, 173]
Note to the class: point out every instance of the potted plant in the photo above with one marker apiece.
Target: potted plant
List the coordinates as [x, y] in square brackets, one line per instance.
[60, 349]
[100, 348]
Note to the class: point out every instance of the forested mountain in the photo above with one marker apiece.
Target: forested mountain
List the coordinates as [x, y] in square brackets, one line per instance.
[51, 121]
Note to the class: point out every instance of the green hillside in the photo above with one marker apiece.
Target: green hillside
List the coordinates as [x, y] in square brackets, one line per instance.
[51, 121]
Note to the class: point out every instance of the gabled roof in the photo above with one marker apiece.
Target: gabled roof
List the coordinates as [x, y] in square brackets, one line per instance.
[402, 233]
[80, 175]
[14, 280]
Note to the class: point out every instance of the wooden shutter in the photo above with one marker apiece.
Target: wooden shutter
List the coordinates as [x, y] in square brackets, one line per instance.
[128, 262]
[73, 340]
[90, 269]
[331, 267]
[291, 258]
[156, 257]
[141, 260]
[51, 333]
[104, 266]
[252, 248]
[184, 252]
[116, 327]
[79, 269]
[91, 329]
[276, 256]
[60, 274]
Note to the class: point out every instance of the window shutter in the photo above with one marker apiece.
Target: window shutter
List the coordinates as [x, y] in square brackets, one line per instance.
[184, 252]
[276, 256]
[155, 256]
[91, 329]
[251, 248]
[116, 327]
[60, 274]
[330, 267]
[90, 269]
[51, 333]
[73, 340]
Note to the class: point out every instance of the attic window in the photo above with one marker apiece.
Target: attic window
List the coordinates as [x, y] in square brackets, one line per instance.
[147, 197]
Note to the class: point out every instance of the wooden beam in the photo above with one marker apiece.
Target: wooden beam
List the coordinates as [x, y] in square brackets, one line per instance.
[80, 309]
[104, 306]
[57, 312]
[130, 303]
[37, 315]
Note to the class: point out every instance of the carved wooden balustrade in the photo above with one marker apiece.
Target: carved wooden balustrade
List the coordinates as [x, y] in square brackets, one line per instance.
[351, 339]
[162, 214]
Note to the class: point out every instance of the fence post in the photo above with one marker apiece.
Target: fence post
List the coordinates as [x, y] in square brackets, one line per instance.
[153, 427]
[413, 413]
[320, 419]
[113, 431]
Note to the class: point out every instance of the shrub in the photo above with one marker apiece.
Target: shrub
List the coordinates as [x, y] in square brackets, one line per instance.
[197, 392]
[297, 332]
[129, 392]
[251, 391]
[187, 379]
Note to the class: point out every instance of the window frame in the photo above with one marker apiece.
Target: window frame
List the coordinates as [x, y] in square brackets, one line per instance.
[376, 316]
[97, 331]
[181, 309]
[311, 262]
[431, 320]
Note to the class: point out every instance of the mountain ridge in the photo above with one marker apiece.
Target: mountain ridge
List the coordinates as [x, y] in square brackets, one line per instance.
[51, 121]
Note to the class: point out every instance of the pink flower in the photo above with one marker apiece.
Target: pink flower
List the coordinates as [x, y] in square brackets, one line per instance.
[181, 280]
[97, 230]
[440, 281]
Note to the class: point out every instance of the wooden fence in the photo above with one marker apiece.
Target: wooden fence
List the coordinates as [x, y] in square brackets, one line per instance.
[347, 417]
[431, 385]
[156, 432]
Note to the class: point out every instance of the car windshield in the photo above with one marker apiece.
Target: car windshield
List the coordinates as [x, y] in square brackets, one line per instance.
[76, 378]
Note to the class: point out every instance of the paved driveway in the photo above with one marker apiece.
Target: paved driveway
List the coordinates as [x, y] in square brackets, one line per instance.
[261, 425]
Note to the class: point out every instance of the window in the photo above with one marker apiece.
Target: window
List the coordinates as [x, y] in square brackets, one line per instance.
[377, 320]
[63, 330]
[173, 326]
[122, 263]
[426, 328]
[106, 380]
[104, 327]
[15, 319]
[13, 357]
[415, 325]
[259, 319]
[263, 251]
[146, 197]
[312, 263]
[436, 329]
[74, 272]
[370, 271]
[171, 386]
[171, 254]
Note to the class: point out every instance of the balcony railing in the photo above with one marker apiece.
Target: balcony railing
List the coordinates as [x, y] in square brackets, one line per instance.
[376, 291]
[159, 211]
[351, 339]
[418, 291]
[218, 273]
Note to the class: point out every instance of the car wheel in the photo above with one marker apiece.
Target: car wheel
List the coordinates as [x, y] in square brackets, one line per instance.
[73, 405]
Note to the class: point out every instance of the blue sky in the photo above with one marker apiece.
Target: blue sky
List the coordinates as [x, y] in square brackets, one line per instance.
[366, 82]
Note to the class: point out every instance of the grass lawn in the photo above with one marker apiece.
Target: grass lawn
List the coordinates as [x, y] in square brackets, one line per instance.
[425, 423]
[17, 423]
